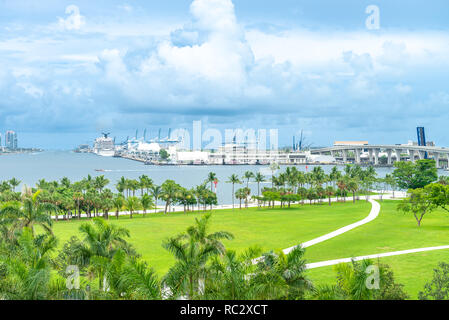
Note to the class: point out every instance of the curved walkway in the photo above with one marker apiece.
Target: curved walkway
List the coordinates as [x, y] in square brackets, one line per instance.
[372, 256]
[375, 209]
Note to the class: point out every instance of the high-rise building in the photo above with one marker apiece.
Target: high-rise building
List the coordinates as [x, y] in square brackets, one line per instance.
[11, 140]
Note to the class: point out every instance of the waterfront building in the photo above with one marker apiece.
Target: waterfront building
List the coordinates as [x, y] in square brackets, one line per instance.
[241, 154]
[11, 140]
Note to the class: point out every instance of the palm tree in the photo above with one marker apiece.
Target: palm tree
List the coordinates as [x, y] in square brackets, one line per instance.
[121, 185]
[146, 203]
[342, 186]
[233, 179]
[273, 167]
[119, 202]
[145, 183]
[31, 212]
[14, 183]
[335, 175]
[141, 282]
[281, 276]
[330, 191]
[248, 175]
[192, 250]
[318, 176]
[28, 269]
[107, 203]
[100, 182]
[353, 186]
[228, 277]
[169, 190]
[101, 241]
[156, 192]
[211, 178]
[259, 177]
[240, 194]
[65, 182]
[132, 204]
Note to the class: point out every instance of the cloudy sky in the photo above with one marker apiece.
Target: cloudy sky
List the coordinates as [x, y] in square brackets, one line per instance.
[71, 69]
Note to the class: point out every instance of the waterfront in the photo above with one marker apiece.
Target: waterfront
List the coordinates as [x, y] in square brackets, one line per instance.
[54, 165]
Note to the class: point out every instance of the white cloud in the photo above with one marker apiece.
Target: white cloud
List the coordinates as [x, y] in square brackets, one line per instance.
[74, 21]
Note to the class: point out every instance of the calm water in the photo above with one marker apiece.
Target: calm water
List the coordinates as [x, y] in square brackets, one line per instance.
[54, 165]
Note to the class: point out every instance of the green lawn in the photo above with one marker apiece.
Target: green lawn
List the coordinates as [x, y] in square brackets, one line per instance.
[391, 231]
[268, 228]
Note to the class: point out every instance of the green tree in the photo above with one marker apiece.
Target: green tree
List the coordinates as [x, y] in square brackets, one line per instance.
[119, 202]
[26, 272]
[411, 175]
[192, 251]
[438, 287]
[282, 276]
[259, 177]
[234, 179]
[132, 204]
[146, 203]
[14, 183]
[419, 202]
[169, 190]
[164, 154]
[30, 212]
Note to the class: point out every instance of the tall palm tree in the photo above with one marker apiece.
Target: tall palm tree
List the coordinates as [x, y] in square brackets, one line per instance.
[121, 185]
[146, 203]
[169, 190]
[335, 175]
[132, 204]
[211, 178]
[119, 202]
[273, 167]
[259, 177]
[65, 182]
[14, 183]
[234, 179]
[145, 183]
[248, 175]
[192, 250]
[101, 241]
[100, 182]
[353, 186]
[156, 192]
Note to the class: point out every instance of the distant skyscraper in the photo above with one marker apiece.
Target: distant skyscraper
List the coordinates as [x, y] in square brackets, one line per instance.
[11, 140]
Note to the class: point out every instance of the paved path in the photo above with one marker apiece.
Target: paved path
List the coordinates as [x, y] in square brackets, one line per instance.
[372, 256]
[375, 209]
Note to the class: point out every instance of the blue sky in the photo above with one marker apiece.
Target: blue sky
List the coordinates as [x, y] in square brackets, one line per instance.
[71, 69]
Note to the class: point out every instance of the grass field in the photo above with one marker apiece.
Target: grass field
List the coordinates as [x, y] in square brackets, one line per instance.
[268, 228]
[282, 228]
[391, 231]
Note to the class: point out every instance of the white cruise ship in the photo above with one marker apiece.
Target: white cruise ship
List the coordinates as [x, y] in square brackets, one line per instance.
[104, 146]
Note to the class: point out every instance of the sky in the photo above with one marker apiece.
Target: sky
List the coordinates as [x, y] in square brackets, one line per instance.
[70, 70]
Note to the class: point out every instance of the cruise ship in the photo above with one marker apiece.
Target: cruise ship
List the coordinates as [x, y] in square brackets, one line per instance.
[104, 146]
